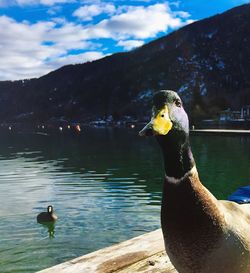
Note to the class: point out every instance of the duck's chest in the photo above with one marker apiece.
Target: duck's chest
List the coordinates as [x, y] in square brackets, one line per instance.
[191, 229]
[189, 238]
[197, 239]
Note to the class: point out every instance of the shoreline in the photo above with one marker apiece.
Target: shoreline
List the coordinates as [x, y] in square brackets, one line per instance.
[227, 132]
[81, 128]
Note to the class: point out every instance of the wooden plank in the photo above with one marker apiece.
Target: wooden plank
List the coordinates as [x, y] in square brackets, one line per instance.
[144, 254]
[158, 263]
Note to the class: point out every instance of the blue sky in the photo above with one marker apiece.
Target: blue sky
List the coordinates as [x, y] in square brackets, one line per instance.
[38, 36]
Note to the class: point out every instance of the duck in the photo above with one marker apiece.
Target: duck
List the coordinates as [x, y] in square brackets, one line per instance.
[201, 233]
[45, 217]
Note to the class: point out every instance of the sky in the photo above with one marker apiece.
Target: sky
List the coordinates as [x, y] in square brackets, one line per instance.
[39, 36]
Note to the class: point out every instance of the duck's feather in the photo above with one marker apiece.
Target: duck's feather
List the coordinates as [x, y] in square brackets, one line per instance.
[233, 252]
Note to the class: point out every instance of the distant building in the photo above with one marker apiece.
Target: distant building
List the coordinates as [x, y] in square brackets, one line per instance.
[245, 112]
[228, 115]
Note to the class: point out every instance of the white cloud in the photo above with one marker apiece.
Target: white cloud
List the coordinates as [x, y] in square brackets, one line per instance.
[53, 2]
[130, 44]
[175, 4]
[31, 50]
[53, 10]
[182, 14]
[87, 12]
[76, 59]
[190, 21]
[33, 2]
[138, 22]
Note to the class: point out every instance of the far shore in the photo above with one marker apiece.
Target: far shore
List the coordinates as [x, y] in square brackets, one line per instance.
[67, 127]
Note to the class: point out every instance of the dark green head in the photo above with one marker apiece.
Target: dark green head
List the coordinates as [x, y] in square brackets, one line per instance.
[168, 115]
[169, 124]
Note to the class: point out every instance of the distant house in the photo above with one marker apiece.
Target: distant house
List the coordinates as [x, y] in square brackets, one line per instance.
[228, 115]
[245, 112]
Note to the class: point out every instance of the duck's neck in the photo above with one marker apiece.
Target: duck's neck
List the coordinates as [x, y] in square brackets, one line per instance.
[178, 157]
[190, 218]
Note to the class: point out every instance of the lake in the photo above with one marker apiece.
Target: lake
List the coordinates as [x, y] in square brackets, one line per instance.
[105, 186]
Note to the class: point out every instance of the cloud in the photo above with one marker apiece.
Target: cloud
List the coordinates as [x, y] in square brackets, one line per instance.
[130, 44]
[31, 50]
[139, 22]
[182, 14]
[53, 2]
[87, 12]
[76, 59]
[34, 49]
[53, 10]
[4, 3]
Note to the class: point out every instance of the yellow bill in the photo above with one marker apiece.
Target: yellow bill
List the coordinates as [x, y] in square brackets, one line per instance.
[159, 125]
[162, 123]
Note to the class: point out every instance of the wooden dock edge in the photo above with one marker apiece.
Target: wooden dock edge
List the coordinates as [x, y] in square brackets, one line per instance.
[144, 254]
[223, 132]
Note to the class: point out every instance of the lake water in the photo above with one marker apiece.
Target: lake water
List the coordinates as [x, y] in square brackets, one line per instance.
[105, 186]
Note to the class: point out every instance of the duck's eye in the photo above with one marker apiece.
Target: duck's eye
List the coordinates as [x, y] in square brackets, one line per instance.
[162, 115]
[178, 103]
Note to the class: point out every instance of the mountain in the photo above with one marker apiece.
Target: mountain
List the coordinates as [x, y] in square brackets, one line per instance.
[207, 62]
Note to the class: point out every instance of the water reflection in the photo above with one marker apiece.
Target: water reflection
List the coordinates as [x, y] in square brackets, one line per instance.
[51, 229]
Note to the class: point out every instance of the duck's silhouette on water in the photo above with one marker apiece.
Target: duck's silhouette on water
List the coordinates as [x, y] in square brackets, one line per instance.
[46, 217]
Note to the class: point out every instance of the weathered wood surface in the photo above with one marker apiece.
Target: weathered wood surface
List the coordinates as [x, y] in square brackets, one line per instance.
[144, 254]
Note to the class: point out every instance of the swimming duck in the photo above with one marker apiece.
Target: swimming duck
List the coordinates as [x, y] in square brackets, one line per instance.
[48, 216]
[201, 234]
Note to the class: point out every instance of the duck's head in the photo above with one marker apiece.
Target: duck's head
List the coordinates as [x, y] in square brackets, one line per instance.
[169, 124]
[50, 209]
[169, 118]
